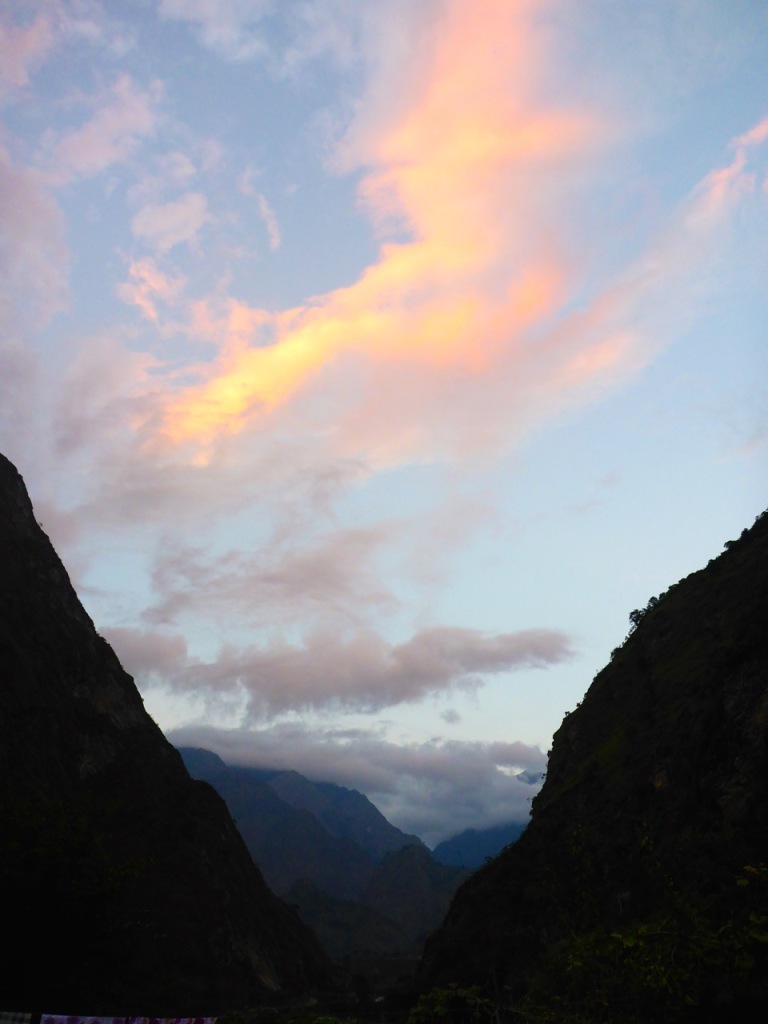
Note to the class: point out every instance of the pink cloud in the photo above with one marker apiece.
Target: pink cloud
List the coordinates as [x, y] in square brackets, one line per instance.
[271, 223]
[23, 48]
[472, 327]
[162, 226]
[147, 652]
[458, 171]
[124, 115]
[723, 188]
[356, 671]
[111, 412]
[477, 322]
[169, 171]
[148, 287]
[229, 27]
[33, 257]
[332, 575]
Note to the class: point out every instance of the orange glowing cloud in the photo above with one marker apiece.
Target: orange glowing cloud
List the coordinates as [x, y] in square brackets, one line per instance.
[458, 174]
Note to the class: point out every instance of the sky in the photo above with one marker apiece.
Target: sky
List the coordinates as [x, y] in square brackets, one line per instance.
[369, 361]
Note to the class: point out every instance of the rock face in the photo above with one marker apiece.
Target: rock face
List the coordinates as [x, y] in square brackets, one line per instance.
[640, 888]
[125, 886]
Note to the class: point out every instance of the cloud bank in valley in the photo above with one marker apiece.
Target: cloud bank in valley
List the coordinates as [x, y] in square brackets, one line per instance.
[434, 789]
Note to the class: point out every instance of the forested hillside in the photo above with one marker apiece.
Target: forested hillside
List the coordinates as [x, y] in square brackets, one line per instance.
[639, 890]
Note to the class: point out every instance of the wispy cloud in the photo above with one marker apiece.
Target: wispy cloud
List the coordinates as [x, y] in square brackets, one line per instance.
[112, 411]
[34, 259]
[230, 28]
[247, 187]
[34, 265]
[123, 115]
[308, 575]
[22, 48]
[474, 325]
[269, 217]
[162, 226]
[149, 288]
[476, 322]
[238, 30]
[456, 173]
[725, 187]
[171, 171]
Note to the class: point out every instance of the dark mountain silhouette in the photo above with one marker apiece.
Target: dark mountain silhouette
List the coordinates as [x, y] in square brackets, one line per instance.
[346, 813]
[639, 890]
[348, 929]
[287, 844]
[298, 830]
[413, 889]
[364, 886]
[473, 847]
[406, 898]
[124, 884]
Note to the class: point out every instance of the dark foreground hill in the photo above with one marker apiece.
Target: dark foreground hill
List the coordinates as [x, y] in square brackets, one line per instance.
[639, 890]
[124, 885]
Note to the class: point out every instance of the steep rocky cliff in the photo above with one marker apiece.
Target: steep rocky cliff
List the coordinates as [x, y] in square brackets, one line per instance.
[639, 890]
[124, 884]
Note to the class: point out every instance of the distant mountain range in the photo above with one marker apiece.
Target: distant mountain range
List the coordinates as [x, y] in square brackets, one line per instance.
[296, 830]
[472, 848]
[363, 885]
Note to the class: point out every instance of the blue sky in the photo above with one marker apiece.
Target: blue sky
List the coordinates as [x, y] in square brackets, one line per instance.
[368, 363]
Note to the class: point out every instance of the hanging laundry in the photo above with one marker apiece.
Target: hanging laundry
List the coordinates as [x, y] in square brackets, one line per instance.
[170, 1020]
[62, 1018]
